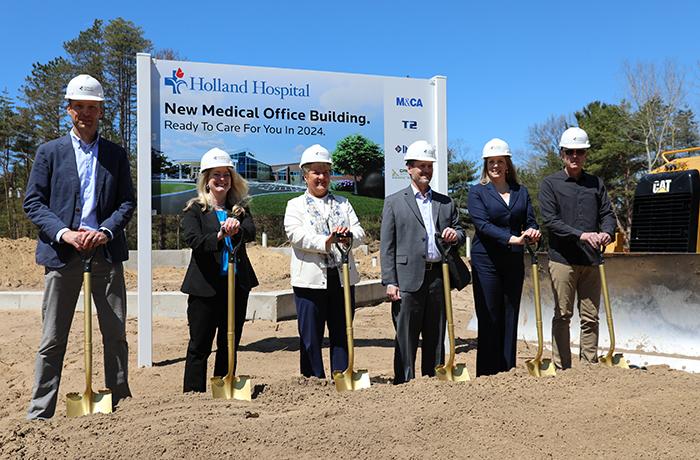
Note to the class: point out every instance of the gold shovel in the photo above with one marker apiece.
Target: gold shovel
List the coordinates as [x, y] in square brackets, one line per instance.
[538, 367]
[349, 380]
[450, 371]
[90, 402]
[611, 359]
[231, 386]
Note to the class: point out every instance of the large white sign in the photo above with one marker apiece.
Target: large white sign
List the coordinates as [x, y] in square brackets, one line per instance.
[265, 118]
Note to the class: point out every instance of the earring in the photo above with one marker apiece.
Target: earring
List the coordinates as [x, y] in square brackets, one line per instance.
[206, 187]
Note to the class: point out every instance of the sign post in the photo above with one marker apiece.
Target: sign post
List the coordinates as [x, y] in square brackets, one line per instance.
[143, 208]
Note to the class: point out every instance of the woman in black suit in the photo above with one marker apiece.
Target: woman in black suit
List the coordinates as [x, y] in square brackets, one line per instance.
[210, 229]
[503, 217]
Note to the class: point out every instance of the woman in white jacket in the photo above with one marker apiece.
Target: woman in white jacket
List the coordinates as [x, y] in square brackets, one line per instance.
[310, 221]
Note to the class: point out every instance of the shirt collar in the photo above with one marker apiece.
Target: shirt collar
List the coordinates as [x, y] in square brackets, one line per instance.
[84, 146]
[417, 193]
[566, 176]
[323, 199]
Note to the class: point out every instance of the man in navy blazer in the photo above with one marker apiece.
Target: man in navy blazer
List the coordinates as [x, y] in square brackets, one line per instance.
[80, 196]
[411, 264]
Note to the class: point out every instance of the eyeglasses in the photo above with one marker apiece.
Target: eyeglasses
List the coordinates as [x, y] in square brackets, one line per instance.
[572, 152]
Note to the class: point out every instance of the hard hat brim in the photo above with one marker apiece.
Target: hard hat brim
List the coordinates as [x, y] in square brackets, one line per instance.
[85, 98]
[301, 165]
[491, 155]
[420, 158]
[575, 146]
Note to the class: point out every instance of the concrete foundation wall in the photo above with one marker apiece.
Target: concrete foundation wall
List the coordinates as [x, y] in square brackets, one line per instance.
[272, 306]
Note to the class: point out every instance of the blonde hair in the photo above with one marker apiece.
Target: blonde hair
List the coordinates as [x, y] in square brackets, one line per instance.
[236, 198]
[511, 172]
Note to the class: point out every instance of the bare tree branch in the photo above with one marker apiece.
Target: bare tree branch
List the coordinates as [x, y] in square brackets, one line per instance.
[656, 95]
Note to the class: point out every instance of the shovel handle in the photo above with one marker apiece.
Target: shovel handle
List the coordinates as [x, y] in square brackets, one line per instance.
[233, 248]
[343, 248]
[533, 250]
[601, 255]
[86, 258]
[443, 248]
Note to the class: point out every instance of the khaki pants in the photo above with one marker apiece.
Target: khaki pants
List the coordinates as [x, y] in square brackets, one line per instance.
[569, 281]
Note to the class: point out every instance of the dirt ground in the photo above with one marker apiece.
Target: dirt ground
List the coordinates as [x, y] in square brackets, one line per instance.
[19, 272]
[585, 412]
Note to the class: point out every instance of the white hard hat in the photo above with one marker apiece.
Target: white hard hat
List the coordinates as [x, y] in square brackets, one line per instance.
[496, 148]
[215, 158]
[315, 154]
[84, 88]
[574, 138]
[420, 151]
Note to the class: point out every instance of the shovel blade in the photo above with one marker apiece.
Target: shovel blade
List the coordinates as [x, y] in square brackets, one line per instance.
[456, 373]
[351, 380]
[231, 388]
[99, 402]
[541, 368]
[616, 360]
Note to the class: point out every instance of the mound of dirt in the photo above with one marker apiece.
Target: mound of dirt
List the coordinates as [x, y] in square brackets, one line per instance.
[585, 412]
[19, 272]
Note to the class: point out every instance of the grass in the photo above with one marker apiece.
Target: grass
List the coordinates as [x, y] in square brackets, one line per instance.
[160, 188]
[276, 203]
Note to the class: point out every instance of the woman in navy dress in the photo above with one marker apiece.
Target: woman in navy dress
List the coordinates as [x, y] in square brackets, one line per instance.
[504, 218]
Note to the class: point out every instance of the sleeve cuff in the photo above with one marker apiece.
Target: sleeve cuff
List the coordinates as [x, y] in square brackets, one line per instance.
[107, 232]
[60, 234]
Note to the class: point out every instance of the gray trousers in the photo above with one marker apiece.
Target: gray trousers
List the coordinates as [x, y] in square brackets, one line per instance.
[62, 287]
[419, 314]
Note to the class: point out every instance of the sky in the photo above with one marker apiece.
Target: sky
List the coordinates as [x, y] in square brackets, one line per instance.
[509, 65]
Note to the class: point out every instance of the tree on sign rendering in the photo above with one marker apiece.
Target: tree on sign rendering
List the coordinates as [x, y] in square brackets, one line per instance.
[356, 155]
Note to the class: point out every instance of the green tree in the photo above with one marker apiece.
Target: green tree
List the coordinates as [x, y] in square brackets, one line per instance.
[160, 164]
[616, 155]
[86, 51]
[122, 40]
[25, 141]
[356, 155]
[684, 132]
[544, 159]
[460, 173]
[44, 95]
[7, 115]
[87, 54]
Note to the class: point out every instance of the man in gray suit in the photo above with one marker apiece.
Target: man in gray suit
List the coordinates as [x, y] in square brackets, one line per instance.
[80, 197]
[411, 269]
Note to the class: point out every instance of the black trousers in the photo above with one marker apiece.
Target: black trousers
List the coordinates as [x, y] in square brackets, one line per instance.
[207, 316]
[420, 313]
[498, 285]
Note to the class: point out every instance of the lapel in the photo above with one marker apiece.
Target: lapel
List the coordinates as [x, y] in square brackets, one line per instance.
[411, 202]
[102, 155]
[497, 196]
[436, 210]
[212, 220]
[514, 196]
[71, 165]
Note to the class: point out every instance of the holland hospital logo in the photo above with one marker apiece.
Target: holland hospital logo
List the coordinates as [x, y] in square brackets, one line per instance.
[175, 81]
[217, 85]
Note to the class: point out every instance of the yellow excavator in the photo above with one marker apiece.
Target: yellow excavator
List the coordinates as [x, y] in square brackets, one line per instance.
[655, 287]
